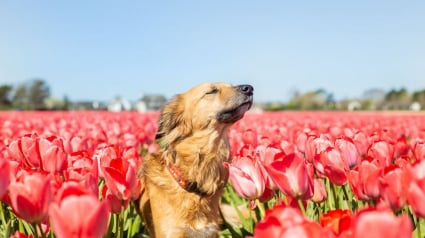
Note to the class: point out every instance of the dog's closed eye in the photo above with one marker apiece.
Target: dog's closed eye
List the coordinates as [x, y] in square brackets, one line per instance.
[212, 91]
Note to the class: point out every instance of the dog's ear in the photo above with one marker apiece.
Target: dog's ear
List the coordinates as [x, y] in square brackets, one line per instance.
[173, 124]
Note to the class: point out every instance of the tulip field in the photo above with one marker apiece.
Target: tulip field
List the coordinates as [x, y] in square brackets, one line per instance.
[292, 174]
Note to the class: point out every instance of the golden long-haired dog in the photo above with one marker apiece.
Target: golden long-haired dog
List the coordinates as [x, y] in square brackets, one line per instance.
[183, 181]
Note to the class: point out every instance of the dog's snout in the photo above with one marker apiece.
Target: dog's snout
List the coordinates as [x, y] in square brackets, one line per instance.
[246, 89]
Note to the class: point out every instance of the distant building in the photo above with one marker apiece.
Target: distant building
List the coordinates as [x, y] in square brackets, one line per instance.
[152, 102]
[87, 106]
[119, 104]
[415, 106]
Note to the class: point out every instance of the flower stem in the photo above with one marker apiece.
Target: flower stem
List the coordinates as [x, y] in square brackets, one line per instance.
[334, 194]
[347, 197]
[301, 206]
[121, 222]
[418, 226]
[260, 206]
[35, 228]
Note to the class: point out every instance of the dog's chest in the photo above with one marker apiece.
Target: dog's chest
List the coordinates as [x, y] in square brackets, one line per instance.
[202, 230]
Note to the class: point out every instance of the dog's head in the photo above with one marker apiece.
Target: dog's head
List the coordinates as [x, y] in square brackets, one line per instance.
[209, 106]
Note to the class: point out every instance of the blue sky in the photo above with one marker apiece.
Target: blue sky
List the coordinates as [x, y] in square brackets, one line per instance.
[97, 50]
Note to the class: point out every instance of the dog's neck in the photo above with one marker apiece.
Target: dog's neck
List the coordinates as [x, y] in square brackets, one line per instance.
[197, 164]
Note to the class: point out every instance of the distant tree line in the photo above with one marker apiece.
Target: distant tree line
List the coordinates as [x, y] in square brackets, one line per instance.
[30, 95]
[372, 99]
[35, 94]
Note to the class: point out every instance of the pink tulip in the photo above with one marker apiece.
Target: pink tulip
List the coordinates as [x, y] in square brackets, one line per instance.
[246, 177]
[287, 222]
[120, 173]
[277, 220]
[292, 176]
[360, 139]
[34, 152]
[115, 204]
[364, 180]
[30, 196]
[5, 176]
[381, 224]
[319, 194]
[331, 164]
[348, 151]
[382, 152]
[415, 176]
[394, 186]
[267, 155]
[315, 145]
[80, 216]
[419, 150]
[21, 235]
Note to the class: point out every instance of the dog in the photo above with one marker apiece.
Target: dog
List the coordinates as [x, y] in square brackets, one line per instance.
[183, 181]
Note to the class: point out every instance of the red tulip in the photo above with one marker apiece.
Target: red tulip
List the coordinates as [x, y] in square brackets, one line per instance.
[307, 229]
[349, 152]
[364, 181]
[394, 186]
[266, 155]
[115, 204]
[287, 222]
[119, 173]
[47, 154]
[292, 176]
[315, 145]
[5, 176]
[331, 164]
[21, 235]
[30, 196]
[319, 194]
[361, 141]
[69, 188]
[80, 216]
[382, 152]
[415, 176]
[83, 170]
[419, 150]
[381, 224]
[338, 220]
[246, 176]
[277, 220]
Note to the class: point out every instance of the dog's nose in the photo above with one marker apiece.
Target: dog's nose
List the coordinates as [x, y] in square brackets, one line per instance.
[246, 89]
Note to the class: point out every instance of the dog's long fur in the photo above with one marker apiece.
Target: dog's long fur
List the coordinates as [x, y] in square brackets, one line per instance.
[193, 138]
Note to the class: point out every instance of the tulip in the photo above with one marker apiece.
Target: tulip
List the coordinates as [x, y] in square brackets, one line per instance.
[415, 176]
[360, 139]
[79, 216]
[277, 220]
[319, 194]
[120, 175]
[419, 150]
[348, 151]
[331, 164]
[382, 152]
[287, 222]
[34, 152]
[338, 220]
[115, 204]
[5, 176]
[246, 176]
[266, 155]
[381, 224]
[30, 196]
[364, 180]
[394, 186]
[18, 234]
[315, 145]
[292, 176]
